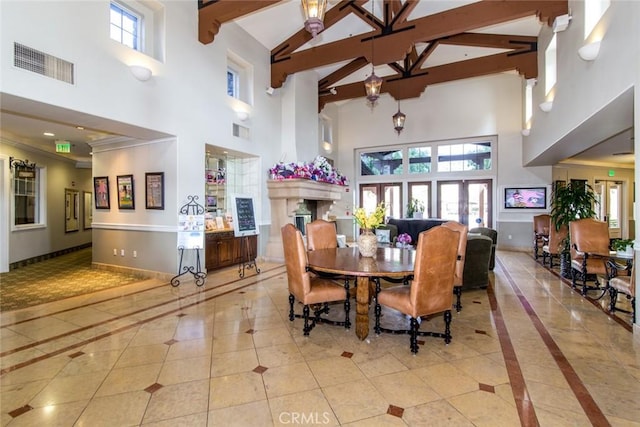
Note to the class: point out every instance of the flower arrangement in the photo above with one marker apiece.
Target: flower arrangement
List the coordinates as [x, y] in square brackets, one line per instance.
[404, 239]
[318, 170]
[373, 220]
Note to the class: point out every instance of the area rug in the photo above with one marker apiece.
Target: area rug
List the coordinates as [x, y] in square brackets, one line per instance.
[55, 279]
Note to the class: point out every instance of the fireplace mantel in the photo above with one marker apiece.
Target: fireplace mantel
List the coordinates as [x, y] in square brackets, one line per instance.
[285, 196]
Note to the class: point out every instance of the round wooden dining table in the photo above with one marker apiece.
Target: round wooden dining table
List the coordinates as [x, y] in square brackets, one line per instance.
[389, 262]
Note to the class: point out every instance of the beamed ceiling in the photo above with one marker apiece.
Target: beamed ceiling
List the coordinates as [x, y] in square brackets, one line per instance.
[400, 38]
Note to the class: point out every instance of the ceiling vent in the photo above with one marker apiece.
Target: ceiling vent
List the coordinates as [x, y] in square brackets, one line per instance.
[42, 63]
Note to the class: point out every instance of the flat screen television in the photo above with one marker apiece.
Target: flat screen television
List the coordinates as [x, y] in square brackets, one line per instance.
[525, 197]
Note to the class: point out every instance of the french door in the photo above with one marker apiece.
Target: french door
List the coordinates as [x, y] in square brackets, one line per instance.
[609, 196]
[466, 201]
[389, 193]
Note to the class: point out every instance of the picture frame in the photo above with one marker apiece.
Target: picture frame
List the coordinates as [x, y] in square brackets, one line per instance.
[154, 190]
[101, 190]
[533, 198]
[126, 198]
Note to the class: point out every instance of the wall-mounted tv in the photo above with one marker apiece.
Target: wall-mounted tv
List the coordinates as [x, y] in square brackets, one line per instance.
[525, 197]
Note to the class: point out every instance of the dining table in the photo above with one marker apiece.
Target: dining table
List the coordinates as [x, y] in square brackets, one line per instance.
[388, 262]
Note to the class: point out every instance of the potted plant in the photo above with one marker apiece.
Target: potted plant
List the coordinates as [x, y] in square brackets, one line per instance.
[568, 203]
[415, 208]
[624, 246]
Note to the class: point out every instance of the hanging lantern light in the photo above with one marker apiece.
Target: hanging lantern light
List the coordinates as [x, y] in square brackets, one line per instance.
[313, 15]
[398, 120]
[373, 83]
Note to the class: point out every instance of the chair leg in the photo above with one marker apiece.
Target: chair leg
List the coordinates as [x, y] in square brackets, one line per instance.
[414, 335]
[291, 301]
[613, 298]
[458, 291]
[347, 305]
[377, 309]
[447, 326]
[633, 310]
[305, 314]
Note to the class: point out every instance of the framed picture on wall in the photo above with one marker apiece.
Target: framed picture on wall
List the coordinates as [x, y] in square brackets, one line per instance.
[125, 192]
[154, 190]
[101, 190]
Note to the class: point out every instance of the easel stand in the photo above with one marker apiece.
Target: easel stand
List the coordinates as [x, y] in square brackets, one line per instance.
[191, 208]
[248, 261]
[198, 275]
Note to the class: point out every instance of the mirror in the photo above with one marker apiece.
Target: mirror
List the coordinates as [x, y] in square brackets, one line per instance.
[88, 212]
[72, 209]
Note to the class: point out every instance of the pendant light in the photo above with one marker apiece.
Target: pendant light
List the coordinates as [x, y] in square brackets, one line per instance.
[373, 83]
[313, 15]
[398, 120]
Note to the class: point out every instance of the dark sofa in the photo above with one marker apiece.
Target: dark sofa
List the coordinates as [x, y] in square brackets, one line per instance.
[413, 227]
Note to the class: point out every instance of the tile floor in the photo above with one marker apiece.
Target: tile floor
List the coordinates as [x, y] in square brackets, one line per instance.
[527, 351]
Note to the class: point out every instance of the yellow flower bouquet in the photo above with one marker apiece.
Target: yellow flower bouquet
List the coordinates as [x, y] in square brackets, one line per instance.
[373, 220]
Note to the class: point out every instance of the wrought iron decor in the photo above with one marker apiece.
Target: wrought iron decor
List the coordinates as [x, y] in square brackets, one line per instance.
[191, 208]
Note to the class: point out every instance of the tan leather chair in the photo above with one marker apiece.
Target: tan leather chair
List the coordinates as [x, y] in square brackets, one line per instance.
[555, 244]
[462, 250]
[622, 284]
[321, 234]
[431, 290]
[541, 229]
[306, 287]
[589, 249]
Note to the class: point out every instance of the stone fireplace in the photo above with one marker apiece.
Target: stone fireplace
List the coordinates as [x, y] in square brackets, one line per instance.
[286, 196]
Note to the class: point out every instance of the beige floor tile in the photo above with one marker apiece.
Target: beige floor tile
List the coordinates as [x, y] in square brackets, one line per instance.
[64, 414]
[293, 409]
[621, 404]
[446, 380]
[193, 420]
[117, 410]
[554, 417]
[483, 370]
[232, 342]
[184, 370]
[386, 364]
[287, 379]
[178, 400]
[549, 395]
[254, 414]
[355, 401]
[404, 389]
[277, 355]
[44, 369]
[271, 337]
[65, 389]
[189, 349]
[15, 396]
[234, 362]
[385, 420]
[141, 355]
[236, 389]
[335, 370]
[439, 413]
[485, 409]
[91, 362]
[133, 378]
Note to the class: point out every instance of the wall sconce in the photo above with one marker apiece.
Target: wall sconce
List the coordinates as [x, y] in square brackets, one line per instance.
[242, 115]
[546, 106]
[590, 51]
[141, 73]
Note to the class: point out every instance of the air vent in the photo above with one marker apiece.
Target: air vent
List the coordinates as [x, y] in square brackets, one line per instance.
[42, 63]
[240, 131]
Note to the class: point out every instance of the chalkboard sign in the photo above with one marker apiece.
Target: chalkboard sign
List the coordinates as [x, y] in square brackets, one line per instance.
[244, 218]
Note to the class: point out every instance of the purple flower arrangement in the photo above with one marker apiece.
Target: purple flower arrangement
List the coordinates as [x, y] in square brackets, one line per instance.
[404, 239]
[318, 170]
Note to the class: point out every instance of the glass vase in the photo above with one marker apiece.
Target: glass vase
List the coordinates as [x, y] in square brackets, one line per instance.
[367, 243]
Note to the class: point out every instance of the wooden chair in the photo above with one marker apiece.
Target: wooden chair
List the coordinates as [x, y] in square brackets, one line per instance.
[431, 290]
[308, 288]
[622, 284]
[555, 244]
[541, 227]
[321, 234]
[462, 250]
[589, 248]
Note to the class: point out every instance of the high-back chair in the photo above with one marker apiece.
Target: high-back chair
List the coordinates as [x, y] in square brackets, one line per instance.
[321, 234]
[555, 244]
[493, 235]
[306, 287]
[541, 229]
[589, 247]
[622, 284]
[462, 250]
[431, 290]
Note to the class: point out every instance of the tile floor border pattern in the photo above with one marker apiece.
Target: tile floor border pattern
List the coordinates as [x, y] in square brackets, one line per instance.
[127, 327]
[590, 407]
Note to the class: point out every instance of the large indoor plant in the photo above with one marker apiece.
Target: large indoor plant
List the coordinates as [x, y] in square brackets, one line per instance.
[569, 202]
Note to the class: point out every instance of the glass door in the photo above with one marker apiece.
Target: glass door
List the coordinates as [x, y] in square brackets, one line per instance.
[422, 192]
[389, 193]
[466, 201]
[609, 197]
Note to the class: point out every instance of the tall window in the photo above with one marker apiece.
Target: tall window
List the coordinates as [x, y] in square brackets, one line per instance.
[550, 72]
[26, 190]
[125, 26]
[239, 79]
[593, 11]
[233, 83]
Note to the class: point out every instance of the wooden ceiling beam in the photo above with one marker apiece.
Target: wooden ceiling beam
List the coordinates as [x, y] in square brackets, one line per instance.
[341, 73]
[499, 41]
[215, 13]
[412, 87]
[392, 46]
[403, 13]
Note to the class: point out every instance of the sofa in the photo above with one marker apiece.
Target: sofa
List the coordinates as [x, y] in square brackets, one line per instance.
[413, 227]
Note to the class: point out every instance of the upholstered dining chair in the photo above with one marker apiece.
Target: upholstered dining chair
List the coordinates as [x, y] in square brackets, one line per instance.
[554, 247]
[308, 288]
[589, 247]
[321, 234]
[622, 284]
[431, 290]
[462, 250]
[541, 229]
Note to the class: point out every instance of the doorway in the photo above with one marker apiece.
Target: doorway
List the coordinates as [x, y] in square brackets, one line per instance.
[609, 197]
[389, 193]
[466, 201]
